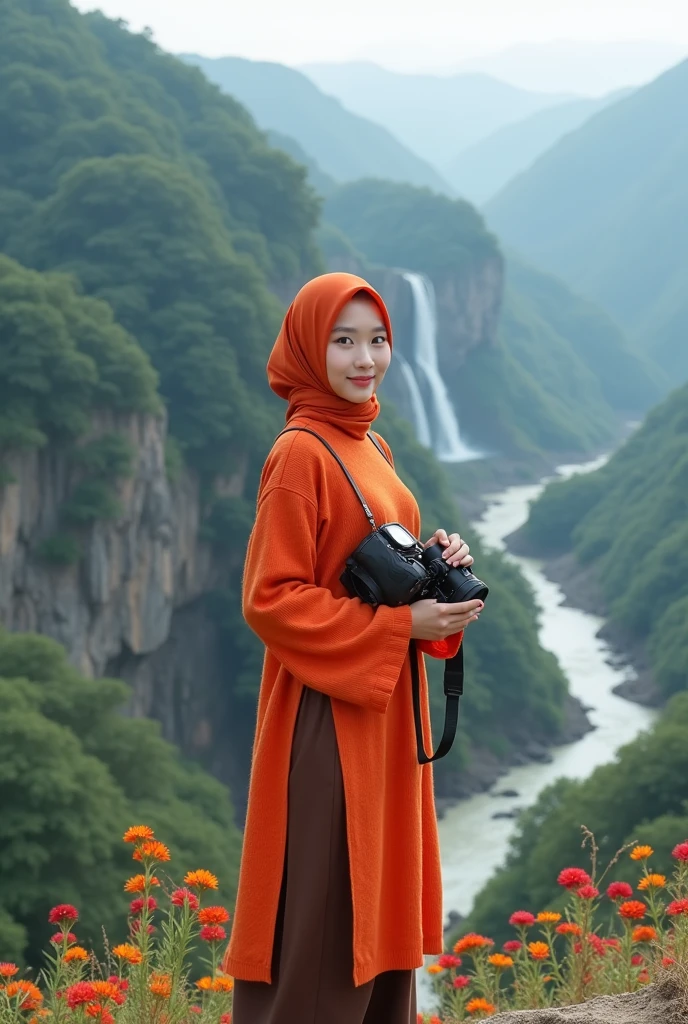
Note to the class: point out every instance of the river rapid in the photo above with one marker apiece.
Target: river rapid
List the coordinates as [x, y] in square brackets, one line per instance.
[473, 842]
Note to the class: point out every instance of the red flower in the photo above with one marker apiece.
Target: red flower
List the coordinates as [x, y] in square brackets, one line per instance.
[136, 906]
[461, 981]
[597, 944]
[8, 970]
[637, 960]
[226, 1018]
[212, 933]
[644, 933]
[196, 1009]
[121, 982]
[680, 852]
[213, 915]
[136, 927]
[63, 912]
[512, 946]
[619, 891]
[80, 993]
[574, 878]
[522, 918]
[59, 937]
[448, 960]
[568, 928]
[588, 892]
[677, 907]
[181, 896]
[612, 943]
[632, 910]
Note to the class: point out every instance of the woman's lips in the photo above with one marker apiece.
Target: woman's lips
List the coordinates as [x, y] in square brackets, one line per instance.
[362, 382]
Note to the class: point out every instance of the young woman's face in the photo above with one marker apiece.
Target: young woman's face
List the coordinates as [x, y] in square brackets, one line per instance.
[358, 351]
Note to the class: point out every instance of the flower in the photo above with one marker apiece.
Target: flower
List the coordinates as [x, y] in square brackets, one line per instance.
[479, 1006]
[63, 912]
[644, 977]
[61, 936]
[137, 905]
[522, 918]
[500, 961]
[588, 892]
[205, 984]
[108, 990]
[121, 983]
[461, 981]
[675, 908]
[154, 849]
[619, 891]
[135, 927]
[652, 882]
[597, 944]
[223, 983]
[212, 933]
[75, 953]
[30, 996]
[137, 883]
[181, 896]
[7, 970]
[226, 1018]
[612, 942]
[448, 960]
[161, 985]
[573, 878]
[196, 1009]
[548, 917]
[680, 852]
[434, 969]
[81, 992]
[568, 928]
[137, 832]
[641, 852]
[201, 879]
[472, 941]
[213, 915]
[512, 946]
[632, 910]
[125, 951]
[100, 1012]
[637, 960]
[538, 950]
[644, 933]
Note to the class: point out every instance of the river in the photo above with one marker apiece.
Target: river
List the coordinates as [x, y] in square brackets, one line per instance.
[473, 842]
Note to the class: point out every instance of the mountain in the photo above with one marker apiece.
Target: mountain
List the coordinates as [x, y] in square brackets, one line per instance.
[481, 170]
[437, 117]
[343, 144]
[606, 209]
[321, 182]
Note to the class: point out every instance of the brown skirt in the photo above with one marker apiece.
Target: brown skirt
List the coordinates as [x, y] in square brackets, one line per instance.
[312, 968]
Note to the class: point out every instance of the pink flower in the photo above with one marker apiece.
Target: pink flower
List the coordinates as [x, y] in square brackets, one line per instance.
[212, 933]
[680, 852]
[574, 878]
[637, 960]
[448, 960]
[522, 918]
[597, 944]
[512, 946]
[677, 907]
[461, 981]
[136, 906]
[181, 896]
[59, 937]
[588, 892]
[63, 912]
[619, 891]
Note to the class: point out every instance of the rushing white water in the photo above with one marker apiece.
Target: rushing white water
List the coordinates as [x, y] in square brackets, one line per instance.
[473, 842]
[444, 427]
[420, 418]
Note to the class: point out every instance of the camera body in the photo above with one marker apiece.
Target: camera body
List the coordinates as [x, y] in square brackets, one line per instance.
[390, 566]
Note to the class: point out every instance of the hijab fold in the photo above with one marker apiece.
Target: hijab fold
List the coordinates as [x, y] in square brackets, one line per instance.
[297, 367]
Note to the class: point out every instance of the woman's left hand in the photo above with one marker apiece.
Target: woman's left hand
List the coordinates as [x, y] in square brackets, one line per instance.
[456, 550]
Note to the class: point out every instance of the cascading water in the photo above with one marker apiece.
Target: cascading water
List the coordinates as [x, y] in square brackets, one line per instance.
[437, 426]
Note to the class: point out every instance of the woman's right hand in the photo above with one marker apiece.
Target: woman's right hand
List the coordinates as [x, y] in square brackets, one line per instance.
[435, 620]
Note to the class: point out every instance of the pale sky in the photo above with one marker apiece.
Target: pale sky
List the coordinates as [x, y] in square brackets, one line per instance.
[403, 34]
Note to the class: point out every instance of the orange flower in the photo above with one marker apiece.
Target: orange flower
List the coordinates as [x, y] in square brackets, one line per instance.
[137, 832]
[125, 951]
[213, 915]
[29, 995]
[434, 969]
[641, 852]
[137, 883]
[108, 990]
[223, 983]
[99, 1012]
[568, 928]
[472, 941]
[152, 848]
[652, 882]
[480, 1006]
[161, 985]
[644, 933]
[548, 917]
[7, 969]
[75, 953]
[205, 984]
[201, 879]
[632, 910]
[500, 961]
[538, 950]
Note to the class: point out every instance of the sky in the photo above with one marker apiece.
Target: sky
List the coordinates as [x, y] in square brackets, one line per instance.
[403, 35]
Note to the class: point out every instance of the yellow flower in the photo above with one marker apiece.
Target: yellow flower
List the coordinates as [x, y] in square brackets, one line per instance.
[641, 852]
[500, 961]
[434, 969]
[548, 917]
[223, 983]
[125, 951]
[201, 879]
[161, 985]
[75, 953]
[652, 882]
[137, 832]
[205, 984]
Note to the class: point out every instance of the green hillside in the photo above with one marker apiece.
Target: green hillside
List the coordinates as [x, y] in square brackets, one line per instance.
[604, 208]
[345, 145]
[550, 381]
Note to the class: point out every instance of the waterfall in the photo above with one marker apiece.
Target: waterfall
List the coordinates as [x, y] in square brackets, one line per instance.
[438, 420]
[420, 418]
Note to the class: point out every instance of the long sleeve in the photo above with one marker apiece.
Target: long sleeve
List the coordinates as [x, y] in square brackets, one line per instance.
[337, 645]
[446, 648]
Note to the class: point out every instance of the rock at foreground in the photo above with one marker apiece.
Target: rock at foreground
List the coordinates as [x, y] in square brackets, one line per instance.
[656, 1004]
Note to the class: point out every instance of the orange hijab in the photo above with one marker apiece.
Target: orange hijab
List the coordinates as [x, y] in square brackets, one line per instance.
[297, 367]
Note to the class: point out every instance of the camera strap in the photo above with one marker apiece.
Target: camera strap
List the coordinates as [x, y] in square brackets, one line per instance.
[453, 667]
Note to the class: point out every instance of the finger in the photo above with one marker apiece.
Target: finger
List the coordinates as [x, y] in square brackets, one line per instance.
[434, 539]
[466, 607]
[458, 554]
[467, 560]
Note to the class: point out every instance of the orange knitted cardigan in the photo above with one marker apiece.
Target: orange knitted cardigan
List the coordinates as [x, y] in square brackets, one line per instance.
[308, 521]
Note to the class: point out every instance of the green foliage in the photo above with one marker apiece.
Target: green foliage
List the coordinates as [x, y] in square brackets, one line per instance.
[60, 549]
[74, 774]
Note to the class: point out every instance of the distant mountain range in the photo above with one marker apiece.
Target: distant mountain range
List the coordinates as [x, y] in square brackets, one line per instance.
[436, 117]
[607, 209]
[344, 145]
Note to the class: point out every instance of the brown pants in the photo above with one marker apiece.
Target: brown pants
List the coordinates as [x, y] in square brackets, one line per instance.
[312, 968]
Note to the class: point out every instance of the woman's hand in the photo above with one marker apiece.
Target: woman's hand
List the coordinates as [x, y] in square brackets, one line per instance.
[456, 550]
[435, 620]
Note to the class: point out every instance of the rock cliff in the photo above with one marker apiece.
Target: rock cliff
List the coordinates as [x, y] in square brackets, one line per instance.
[657, 1004]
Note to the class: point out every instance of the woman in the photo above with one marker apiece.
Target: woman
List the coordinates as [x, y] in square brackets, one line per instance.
[340, 891]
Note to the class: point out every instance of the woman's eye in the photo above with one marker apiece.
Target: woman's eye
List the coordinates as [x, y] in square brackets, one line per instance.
[381, 338]
[343, 339]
